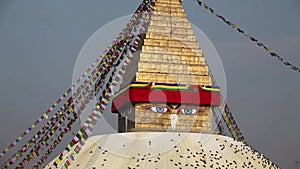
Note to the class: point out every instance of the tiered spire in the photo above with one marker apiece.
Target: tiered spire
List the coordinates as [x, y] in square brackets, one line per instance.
[169, 55]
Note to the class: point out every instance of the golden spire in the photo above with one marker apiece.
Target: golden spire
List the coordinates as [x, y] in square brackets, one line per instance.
[170, 53]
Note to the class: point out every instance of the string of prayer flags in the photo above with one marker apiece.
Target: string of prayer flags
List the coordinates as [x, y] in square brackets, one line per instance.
[42, 131]
[253, 39]
[83, 135]
[88, 126]
[103, 103]
[45, 114]
[232, 124]
[38, 146]
[56, 142]
[55, 118]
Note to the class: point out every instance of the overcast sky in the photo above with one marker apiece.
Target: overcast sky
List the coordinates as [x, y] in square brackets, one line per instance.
[40, 41]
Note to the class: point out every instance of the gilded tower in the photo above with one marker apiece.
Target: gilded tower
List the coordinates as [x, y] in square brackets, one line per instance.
[167, 86]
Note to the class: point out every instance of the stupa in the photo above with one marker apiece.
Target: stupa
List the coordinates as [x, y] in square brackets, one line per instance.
[165, 107]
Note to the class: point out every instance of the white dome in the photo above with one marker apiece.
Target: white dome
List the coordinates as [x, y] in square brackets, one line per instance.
[167, 150]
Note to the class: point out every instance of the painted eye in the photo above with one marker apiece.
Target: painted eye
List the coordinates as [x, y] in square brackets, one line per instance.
[159, 109]
[188, 111]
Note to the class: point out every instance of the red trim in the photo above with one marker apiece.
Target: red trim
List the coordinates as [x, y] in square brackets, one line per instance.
[146, 95]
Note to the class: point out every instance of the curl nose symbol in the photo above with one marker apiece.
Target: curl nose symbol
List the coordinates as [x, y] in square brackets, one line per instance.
[174, 119]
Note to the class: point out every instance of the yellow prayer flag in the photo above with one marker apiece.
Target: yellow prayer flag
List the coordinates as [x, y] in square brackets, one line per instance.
[80, 133]
[69, 146]
[45, 115]
[58, 160]
[234, 26]
[89, 119]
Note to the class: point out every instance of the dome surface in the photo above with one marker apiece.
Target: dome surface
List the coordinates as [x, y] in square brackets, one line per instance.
[167, 150]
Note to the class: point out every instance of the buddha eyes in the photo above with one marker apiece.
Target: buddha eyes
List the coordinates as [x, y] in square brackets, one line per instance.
[186, 111]
[159, 109]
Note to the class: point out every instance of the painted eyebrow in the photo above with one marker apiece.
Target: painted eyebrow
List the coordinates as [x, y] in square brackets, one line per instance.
[176, 106]
[151, 105]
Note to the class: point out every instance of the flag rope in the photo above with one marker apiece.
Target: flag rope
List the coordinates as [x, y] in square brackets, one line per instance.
[253, 39]
[57, 116]
[46, 114]
[88, 126]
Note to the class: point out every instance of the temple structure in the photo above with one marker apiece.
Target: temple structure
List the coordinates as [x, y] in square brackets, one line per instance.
[171, 73]
[165, 107]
